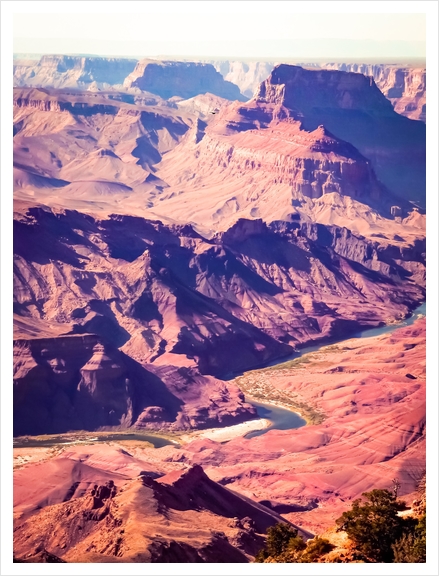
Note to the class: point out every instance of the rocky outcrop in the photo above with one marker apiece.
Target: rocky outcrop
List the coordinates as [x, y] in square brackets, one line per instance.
[304, 90]
[352, 108]
[181, 517]
[276, 151]
[49, 124]
[60, 71]
[185, 79]
[404, 86]
[206, 106]
[79, 383]
[311, 164]
[386, 259]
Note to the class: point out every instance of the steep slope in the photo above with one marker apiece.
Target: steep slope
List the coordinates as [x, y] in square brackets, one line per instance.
[168, 78]
[404, 86]
[352, 107]
[246, 75]
[166, 294]
[77, 383]
[205, 106]
[271, 166]
[181, 517]
[281, 161]
[81, 147]
[276, 169]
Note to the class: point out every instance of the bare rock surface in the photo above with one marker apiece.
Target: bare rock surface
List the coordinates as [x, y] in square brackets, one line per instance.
[161, 292]
[165, 238]
[61, 71]
[131, 311]
[342, 156]
[77, 383]
[404, 86]
[352, 107]
[181, 517]
[169, 78]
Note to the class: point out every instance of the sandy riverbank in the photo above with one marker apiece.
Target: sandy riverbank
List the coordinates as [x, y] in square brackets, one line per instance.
[228, 433]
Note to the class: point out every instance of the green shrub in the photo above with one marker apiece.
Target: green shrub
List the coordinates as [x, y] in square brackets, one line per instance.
[282, 543]
[374, 525]
[411, 547]
[315, 549]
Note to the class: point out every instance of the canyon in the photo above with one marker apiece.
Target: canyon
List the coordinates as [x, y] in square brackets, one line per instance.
[174, 243]
[186, 503]
[403, 84]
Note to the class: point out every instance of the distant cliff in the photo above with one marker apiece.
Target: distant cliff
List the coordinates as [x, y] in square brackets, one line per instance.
[404, 86]
[59, 71]
[246, 75]
[184, 79]
[353, 109]
[164, 78]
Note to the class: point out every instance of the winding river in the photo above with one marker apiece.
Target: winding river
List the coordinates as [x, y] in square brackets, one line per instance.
[280, 418]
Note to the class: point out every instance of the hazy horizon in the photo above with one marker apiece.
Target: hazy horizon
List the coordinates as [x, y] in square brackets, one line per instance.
[273, 35]
[413, 61]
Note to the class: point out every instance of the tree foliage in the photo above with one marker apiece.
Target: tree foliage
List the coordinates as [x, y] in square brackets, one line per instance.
[374, 526]
[411, 547]
[279, 538]
[377, 531]
[284, 545]
[315, 548]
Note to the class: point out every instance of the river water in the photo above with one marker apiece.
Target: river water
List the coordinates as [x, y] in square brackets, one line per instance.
[280, 418]
[84, 438]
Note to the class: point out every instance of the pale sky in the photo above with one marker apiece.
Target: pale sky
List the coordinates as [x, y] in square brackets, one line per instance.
[225, 29]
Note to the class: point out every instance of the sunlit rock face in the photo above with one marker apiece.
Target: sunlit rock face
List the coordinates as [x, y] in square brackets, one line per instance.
[352, 108]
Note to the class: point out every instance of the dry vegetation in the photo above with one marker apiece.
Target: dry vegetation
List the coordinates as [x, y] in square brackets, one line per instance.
[257, 385]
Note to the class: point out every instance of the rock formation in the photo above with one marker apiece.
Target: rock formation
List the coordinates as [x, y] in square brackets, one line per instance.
[289, 153]
[77, 383]
[351, 107]
[93, 146]
[60, 71]
[171, 297]
[166, 241]
[246, 75]
[180, 517]
[404, 86]
[185, 79]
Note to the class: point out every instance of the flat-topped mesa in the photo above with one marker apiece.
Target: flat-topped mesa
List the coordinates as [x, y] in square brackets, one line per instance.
[304, 90]
[404, 86]
[352, 108]
[184, 79]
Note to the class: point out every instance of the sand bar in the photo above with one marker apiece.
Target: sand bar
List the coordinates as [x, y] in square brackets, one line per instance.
[228, 433]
